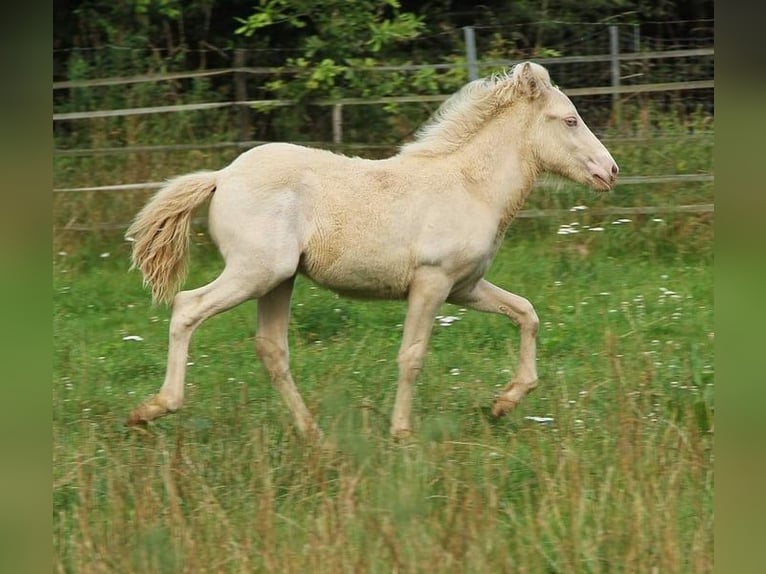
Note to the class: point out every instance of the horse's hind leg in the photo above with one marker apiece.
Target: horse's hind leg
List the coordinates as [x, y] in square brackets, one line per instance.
[271, 345]
[190, 309]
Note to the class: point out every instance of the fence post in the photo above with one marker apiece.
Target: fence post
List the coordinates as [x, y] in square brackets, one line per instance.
[470, 52]
[614, 51]
[337, 124]
[240, 95]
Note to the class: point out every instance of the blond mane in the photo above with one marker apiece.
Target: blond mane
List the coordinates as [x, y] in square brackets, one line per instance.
[464, 113]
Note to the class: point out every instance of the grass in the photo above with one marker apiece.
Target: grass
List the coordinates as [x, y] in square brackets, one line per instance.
[620, 480]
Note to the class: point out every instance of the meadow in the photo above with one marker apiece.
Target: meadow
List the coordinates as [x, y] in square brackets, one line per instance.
[606, 467]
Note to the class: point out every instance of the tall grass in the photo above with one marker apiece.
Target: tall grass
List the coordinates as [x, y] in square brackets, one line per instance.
[613, 472]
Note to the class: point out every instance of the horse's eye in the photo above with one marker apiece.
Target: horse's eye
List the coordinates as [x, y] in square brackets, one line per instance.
[570, 121]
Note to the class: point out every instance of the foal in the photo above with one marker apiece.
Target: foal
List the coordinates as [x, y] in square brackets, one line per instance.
[422, 225]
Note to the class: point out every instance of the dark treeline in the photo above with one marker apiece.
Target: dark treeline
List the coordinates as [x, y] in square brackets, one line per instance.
[203, 33]
[331, 48]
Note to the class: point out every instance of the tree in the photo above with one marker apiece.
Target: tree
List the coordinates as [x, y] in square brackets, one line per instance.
[331, 36]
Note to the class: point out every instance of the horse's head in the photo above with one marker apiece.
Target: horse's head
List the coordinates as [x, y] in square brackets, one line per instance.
[561, 141]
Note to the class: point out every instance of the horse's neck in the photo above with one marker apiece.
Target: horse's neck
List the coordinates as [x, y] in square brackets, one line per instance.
[499, 167]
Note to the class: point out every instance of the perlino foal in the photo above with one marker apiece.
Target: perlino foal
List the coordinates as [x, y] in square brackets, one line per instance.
[422, 225]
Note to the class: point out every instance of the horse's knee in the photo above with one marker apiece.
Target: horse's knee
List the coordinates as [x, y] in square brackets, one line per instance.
[533, 321]
[272, 355]
[411, 358]
[264, 348]
[527, 317]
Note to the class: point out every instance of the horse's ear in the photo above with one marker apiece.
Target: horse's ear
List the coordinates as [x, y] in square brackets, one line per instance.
[529, 84]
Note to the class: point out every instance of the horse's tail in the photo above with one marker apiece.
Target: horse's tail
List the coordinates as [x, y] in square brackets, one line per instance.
[160, 232]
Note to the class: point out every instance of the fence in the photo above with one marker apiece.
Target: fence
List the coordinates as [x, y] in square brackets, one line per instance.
[617, 87]
[473, 64]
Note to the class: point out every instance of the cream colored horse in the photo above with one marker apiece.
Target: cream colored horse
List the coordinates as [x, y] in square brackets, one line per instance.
[422, 225]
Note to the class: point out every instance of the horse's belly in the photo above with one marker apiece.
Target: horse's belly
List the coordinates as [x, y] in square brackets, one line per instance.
[360, 275]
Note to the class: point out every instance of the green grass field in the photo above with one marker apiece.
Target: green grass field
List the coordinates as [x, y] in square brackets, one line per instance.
[620, 480]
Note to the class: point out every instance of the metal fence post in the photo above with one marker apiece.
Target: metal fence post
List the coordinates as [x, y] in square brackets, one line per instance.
[614, 51]
[470, 53]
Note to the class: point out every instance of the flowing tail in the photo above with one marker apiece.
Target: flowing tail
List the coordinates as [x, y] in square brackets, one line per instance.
[160, 232]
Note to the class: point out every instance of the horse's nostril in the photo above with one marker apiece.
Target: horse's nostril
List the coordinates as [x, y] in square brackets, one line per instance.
[615, 170]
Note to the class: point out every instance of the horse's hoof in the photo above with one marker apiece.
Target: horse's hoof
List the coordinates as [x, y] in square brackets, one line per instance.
[148, 410]
[135, 419]
[502, 406]
[485, 412]
[402, 436]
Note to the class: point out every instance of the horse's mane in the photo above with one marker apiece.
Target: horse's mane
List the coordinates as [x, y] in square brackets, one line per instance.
[464, 113]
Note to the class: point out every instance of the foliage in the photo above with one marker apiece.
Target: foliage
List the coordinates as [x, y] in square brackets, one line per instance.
[334, 49]
[340, 45]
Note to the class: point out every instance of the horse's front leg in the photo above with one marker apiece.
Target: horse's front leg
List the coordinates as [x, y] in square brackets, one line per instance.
[428, 290]
[492, 299]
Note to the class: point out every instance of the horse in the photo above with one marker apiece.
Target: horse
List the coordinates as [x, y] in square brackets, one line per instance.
[422, 225]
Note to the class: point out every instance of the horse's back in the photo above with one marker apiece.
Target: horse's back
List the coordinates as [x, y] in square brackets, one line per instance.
[270, 159]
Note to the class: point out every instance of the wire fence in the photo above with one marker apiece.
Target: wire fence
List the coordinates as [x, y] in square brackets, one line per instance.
[256, 71]
[523, 214]
[611, 64]
[706, 208]
[630, 180]
[627, 65]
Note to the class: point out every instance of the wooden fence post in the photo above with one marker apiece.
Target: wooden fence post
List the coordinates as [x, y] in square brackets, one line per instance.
[337, 124]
